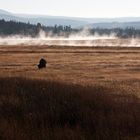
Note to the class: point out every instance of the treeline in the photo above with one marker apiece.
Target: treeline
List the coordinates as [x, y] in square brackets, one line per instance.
[58, 29]
[13, 28]
[19, 28]
[129, 32]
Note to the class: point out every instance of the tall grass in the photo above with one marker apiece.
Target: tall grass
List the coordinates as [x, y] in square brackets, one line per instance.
[47, 110]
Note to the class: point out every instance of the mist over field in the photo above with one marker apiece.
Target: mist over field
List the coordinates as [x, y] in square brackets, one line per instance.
[82, 38]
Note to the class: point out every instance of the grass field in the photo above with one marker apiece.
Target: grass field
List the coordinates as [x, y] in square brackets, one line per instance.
[84, 93]
[70, 64]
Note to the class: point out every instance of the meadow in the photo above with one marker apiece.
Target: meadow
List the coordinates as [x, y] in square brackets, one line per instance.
[83, 65]
[85, 93]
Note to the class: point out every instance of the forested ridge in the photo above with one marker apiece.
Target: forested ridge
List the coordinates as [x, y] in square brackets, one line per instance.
[8, 28]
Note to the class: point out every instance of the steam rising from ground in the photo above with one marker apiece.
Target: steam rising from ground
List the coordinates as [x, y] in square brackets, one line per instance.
[83, 38]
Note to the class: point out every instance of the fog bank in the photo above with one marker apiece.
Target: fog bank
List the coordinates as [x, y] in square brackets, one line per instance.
[83, 38]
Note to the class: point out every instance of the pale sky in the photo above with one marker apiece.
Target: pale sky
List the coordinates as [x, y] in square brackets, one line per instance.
[74, 8]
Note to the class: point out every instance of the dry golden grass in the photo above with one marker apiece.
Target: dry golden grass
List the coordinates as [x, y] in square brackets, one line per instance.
[81, 64]
[83, 94]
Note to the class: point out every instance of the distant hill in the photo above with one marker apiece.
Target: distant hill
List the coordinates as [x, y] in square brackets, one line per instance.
[4, 12]
[110, 25]
[75, 22]
[45, 20]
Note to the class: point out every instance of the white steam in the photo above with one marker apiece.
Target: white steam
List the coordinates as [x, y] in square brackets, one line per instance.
[83, 38]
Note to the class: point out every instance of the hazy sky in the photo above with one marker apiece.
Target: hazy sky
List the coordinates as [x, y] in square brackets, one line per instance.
[76, 8]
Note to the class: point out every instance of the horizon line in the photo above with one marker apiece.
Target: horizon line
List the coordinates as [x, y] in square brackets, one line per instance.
[40, 14]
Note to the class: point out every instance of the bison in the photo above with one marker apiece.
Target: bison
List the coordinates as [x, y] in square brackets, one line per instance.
[42, 63]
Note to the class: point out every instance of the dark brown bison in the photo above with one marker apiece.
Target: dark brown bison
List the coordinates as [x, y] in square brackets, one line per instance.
[42, 63]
